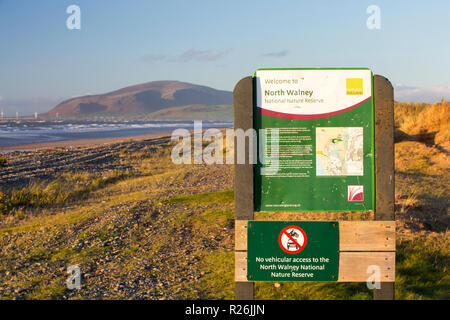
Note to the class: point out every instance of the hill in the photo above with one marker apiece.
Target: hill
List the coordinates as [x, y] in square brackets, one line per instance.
[144, 98]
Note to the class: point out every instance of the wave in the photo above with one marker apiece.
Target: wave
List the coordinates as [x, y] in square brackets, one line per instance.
[19, 132]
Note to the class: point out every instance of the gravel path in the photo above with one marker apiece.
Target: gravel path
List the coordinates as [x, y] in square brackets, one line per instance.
[24, 166]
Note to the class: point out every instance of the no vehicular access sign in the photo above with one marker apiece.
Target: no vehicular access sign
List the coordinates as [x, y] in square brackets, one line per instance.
[292, 239]
[293, 250]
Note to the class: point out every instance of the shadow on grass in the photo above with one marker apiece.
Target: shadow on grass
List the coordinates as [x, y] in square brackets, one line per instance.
[422, 268]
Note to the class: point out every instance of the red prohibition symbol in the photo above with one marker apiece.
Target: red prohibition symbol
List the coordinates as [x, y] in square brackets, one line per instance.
[292, 239]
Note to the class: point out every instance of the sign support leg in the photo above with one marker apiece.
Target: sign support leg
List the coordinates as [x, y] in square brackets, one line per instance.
[384, 163]
[243, 178]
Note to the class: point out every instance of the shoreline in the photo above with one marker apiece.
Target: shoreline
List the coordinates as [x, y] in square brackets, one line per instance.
[81, 142]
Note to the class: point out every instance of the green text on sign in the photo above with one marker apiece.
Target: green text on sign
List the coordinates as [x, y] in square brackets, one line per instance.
[293, 251]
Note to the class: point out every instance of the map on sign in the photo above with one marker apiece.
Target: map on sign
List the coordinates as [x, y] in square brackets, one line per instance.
[339, 151]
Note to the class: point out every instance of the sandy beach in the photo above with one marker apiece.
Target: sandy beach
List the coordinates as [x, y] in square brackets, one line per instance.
[82, 143]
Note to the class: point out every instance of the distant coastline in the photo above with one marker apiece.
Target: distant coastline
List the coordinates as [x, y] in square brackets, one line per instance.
[81, 143]
[23, 136]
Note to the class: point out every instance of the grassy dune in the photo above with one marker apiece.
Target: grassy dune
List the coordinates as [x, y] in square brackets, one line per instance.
[195, 112]
[165, 231]
[423, 122]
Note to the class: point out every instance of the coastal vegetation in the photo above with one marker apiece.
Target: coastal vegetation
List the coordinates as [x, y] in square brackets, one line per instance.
[64, 188]
[156, 230]
[425, 122]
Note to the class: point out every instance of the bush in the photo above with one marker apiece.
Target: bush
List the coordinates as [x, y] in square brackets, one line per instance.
[4, 204]
[3, 162]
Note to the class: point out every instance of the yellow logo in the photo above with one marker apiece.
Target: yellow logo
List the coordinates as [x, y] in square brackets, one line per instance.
[354, 86]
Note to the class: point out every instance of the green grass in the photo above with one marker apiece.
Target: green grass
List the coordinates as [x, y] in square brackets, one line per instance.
[422, 268]
[53, 291]
[44, 288]
[206, 212]
[214, 216]
[312, 291]
[218, 281]
[38, 254]
[209, 197]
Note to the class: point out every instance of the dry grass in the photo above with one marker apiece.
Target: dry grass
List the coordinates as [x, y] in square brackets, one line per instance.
[415, 119]
[422, 165]
[65, 188]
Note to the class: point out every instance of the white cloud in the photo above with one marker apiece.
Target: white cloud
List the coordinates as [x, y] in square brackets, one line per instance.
[431, 94]
[190, 55]
[277, 54]
[202, 55]
[152, 57]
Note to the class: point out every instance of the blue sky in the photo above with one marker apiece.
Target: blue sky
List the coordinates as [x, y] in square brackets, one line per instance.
[213, 43]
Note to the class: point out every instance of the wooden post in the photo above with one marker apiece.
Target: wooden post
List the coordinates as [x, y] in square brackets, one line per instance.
[384, 163]
[243, 173]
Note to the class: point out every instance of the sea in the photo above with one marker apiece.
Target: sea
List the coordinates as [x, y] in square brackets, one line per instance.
[20, 132]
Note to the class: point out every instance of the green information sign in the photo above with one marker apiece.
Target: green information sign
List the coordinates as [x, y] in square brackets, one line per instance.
[293, 251]
[317, 140]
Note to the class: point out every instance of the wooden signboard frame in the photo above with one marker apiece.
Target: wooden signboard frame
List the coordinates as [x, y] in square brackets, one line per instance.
[361, 243]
